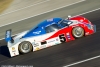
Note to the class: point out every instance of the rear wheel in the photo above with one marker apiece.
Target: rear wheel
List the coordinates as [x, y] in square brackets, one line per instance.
[25, 47]
[78, 32]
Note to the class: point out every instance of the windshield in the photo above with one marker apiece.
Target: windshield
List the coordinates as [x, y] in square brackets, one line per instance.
[65, 23]
[52, 28]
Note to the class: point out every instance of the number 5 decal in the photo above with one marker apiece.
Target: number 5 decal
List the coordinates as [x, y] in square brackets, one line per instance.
[62, 38]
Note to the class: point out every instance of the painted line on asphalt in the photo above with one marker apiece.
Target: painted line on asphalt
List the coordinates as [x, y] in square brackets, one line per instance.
[89, 58]
[41, 14]
[44, 12]
[25, 7]
[82, 61]
[87, 12]
[73, 16]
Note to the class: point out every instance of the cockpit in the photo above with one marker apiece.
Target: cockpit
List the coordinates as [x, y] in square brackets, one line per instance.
[65, 23]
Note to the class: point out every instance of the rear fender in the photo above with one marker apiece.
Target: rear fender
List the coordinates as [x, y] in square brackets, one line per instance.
[13, 50]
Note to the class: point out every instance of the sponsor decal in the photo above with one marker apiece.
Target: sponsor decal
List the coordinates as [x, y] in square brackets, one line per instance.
[87, 33]
[8, 34]
[57, 39]
[37, 48]
[62, 38]
[13, 49]
[54, 41]
[37, 32]
[48, 20]
[43, 46]
[36, 44]
[68, 35]
[51, 41]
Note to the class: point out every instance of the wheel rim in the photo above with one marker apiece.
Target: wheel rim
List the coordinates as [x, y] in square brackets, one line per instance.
[78, 32]
[25, 47]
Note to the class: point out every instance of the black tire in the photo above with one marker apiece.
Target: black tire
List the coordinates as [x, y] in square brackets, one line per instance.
[78, 32]
[25, 47]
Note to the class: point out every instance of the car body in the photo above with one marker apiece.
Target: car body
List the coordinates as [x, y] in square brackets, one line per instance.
[48, 33]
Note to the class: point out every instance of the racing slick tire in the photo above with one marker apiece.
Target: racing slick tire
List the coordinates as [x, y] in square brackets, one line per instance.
[78, 32]
[25, 47]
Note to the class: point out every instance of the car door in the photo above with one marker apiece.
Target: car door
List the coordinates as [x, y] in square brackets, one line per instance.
[53, 35]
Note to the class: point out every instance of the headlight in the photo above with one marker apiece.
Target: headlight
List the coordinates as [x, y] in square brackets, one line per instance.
[89, 26]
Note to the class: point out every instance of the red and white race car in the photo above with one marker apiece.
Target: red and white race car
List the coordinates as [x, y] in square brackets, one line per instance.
[48, 33]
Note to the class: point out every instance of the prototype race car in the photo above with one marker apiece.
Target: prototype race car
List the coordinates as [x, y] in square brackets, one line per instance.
[48, 33]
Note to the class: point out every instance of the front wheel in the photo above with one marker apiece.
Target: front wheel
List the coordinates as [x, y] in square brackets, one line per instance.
[25, 47]
[78, 32]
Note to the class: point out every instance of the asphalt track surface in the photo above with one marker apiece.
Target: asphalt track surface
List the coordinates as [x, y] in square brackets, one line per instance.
[60, 55]
[37, 9]
[92, 63]
[26, 24]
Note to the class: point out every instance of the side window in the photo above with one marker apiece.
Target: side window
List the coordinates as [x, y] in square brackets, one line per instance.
[48, 29]
[52, 28]
[65, 23]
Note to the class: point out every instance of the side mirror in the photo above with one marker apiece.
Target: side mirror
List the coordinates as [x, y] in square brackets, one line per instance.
[68, 17]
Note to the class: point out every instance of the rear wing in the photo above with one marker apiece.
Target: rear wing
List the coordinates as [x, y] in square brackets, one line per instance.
[13, 48]
[8, 37]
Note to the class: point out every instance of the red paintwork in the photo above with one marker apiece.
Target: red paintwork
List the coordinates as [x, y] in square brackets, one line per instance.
[63, 31]
[79, 18]
[69, 29]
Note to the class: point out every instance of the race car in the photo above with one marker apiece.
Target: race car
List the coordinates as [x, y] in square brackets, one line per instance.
[48, 33]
